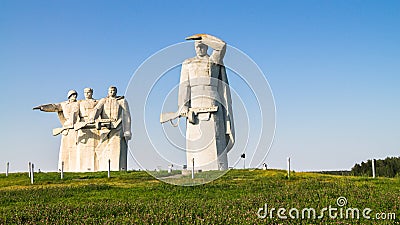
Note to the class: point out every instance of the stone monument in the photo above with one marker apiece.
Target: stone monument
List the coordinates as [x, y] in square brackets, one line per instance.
[88, 137]
[93, 132]
[113, 137]
[204, 98]
[68, 114]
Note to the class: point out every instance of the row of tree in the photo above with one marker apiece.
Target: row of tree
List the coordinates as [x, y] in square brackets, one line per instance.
[389, 167]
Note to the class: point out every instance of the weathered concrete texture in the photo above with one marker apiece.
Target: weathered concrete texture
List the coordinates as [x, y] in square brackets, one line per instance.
[113, 140]
[93, 132]
[68, 113]
[204, 83]
[112, 147]
[88, 138]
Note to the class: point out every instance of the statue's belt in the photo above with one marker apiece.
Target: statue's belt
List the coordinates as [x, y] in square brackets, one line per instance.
[204, 87]
[206, 81]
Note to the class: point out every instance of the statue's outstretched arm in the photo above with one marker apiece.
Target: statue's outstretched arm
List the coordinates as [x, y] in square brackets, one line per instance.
[49, 108]
[52, 108]
[212, 41]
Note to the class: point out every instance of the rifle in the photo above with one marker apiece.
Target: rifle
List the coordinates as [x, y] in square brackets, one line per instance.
[108, 123]
[170, 116]
[57, 131]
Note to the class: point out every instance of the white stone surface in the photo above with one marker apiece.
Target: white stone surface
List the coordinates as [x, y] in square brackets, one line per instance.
[113, 142]
[68, 114]
[88, 138]
[204, 84]
[85, 148]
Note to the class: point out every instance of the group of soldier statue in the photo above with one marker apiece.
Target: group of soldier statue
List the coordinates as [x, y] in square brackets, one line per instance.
[94, 132]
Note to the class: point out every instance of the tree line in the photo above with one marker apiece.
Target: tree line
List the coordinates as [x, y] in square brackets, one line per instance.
[389, 167]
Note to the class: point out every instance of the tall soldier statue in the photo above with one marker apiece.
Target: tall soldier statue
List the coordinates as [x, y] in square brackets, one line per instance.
[205, 99]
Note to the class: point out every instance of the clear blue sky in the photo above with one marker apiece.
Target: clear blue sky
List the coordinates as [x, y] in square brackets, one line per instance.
[333, 66]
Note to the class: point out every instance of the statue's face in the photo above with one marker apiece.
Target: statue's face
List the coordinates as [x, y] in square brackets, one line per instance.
[88, 94]
[112, 92]
[73, 97]
[201, 49]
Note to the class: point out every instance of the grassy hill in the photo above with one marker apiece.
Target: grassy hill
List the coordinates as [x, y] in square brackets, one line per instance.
[235, 198]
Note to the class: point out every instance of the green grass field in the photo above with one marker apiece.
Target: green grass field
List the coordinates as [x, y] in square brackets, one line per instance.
[138, 198]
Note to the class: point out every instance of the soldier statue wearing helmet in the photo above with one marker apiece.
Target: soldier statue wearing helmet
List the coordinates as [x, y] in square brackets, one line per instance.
[68, 114]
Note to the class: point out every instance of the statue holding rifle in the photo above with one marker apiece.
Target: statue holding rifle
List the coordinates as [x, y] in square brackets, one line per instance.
[88, 136]
[205, 100]
[93, 131]
[114, 124]
[68, 114]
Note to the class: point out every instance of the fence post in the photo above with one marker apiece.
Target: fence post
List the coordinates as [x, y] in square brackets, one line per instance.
[243, 156]
[29, 168]
[62, 170]
[32, 173]
[288, 167]
[193, 168]
[109, 168]
[373, 168]
[8, 167]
